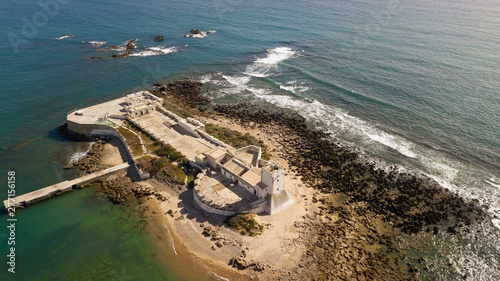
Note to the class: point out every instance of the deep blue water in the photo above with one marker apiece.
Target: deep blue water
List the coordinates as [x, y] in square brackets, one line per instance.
[414, 84]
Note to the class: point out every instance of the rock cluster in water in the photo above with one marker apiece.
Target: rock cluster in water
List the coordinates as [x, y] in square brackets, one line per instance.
[185, 93]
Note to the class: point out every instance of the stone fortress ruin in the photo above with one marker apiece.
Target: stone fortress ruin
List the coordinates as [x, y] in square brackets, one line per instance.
[232, 181]
[239, 181]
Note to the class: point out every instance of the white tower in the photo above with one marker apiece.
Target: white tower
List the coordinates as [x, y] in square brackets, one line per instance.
[273, 177]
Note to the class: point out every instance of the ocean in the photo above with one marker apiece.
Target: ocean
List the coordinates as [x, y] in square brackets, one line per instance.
[411, 83]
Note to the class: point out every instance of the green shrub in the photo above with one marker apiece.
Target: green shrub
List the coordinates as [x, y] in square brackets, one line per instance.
[175, 172]
[169, 151]
[245, 224]
[236, 139]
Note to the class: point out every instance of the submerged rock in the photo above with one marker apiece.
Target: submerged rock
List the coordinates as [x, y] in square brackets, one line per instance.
[122, 55]
[131, 44]
[158, 38]
[196, 33]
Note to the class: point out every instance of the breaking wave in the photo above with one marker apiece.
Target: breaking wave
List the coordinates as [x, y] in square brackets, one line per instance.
[156, 51]
[95, 43]
[262, 67]
[294, 87]
[77, 156]
[64, 37]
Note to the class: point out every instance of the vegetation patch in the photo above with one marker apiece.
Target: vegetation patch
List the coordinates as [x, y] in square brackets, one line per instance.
[166, 150]
[133, 142]
[163, 167]
[237, 139]
[191, 176]
[150, 143]
[174, 172]
[145, 163]
[177, 111]
[245, 224]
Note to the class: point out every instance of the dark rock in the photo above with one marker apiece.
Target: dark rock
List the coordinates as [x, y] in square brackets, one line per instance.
[131, 44]
[122, 55]
[158, 38]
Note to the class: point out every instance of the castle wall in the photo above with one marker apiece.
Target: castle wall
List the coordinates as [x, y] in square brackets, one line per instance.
[211, 207]
[86, 129]
[107, 131]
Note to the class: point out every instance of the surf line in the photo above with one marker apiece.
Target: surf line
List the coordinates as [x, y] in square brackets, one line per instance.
[210, 271]
[169, 234]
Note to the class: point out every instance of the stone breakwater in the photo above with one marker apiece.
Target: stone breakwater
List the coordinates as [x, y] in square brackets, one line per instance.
[119, 189]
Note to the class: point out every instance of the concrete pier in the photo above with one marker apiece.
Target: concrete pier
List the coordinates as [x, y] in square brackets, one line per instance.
[59, 188]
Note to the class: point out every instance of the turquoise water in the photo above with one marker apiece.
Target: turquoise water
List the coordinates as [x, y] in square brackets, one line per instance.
[414, 84]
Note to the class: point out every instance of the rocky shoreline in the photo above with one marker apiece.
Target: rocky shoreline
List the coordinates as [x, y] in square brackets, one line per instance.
[342, 239]
[361, 210]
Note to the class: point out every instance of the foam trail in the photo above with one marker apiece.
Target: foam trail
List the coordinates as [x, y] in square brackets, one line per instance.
[334, 118]
[262, 66]
[95, 43]
[293, 88]
[64, 37]
[205, 78]
[238, 81]
[80, 154]
[236, 84]
[494, 182]
[169, 234]
[277, 55]
[209, 270]
[156, 51]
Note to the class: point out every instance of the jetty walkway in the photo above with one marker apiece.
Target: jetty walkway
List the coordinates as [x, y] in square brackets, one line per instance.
[59, 188]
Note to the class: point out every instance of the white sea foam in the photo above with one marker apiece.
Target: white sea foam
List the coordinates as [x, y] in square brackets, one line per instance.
[169, 234]
[209, 270]
[205, 78]
[80, 154]
[215, 78]
[64, 37]
[494, 182]
[202, 34]
[262, 67]
[277, 55]
[95, 43]
[238, 81]
[294, 87]
[235, 84]
[335, 118]
[156, 51]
